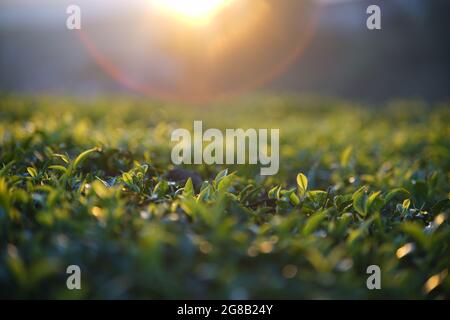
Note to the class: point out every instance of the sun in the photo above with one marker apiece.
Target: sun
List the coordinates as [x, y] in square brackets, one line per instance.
[193, 10]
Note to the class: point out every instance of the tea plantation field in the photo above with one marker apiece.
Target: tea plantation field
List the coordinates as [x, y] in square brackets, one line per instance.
[91, 183]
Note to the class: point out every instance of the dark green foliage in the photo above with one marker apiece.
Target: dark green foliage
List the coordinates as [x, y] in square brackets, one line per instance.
[91, 184]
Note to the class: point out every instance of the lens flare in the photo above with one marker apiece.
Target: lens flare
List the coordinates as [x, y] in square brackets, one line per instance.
[197, 51]
[194, 10]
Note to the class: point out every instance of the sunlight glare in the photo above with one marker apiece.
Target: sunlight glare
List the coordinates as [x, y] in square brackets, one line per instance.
[193, 10]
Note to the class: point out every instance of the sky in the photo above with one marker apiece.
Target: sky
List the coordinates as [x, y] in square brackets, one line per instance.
[285, 48]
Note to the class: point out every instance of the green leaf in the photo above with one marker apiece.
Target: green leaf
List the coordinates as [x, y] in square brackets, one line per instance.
[62, 157]
[161, 188]
[32, 172]
[406, 204]
[359, 201]
[342, 201]
[302, 183]
[204, 194]
[188, 190]
[222, 174]
[317, 196]
[313, 222]
[294, 199]
[225, 182]
[58, 168]
[400, 193]
[127, 178]
[4, 194]
[272, 194]
[6, 168]
[374, 203]
[345, 156]
[83, 157]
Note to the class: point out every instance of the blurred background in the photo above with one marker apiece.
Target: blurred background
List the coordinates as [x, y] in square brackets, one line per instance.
[319, 47]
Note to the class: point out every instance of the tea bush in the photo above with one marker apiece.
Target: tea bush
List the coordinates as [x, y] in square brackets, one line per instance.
[90, 183]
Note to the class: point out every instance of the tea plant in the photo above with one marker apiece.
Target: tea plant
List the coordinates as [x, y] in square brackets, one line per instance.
[90, 183]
